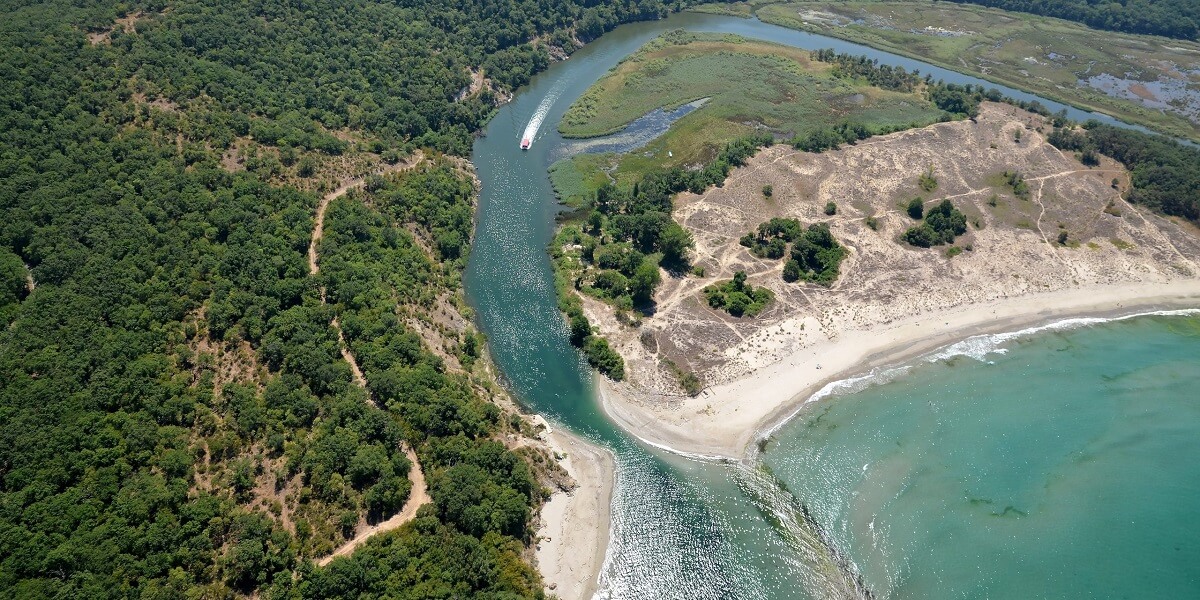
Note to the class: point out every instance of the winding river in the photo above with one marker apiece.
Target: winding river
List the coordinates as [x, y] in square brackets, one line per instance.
[681, 528]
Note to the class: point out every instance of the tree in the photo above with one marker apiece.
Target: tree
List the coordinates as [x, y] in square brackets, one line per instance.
[916, 208]
[791, 270]
[739, 281]
[830, 208]
[674, 241]
[921, 236]
[595, 222]
[768, 191]
[643, 283]
[736, 303]
[580, 328]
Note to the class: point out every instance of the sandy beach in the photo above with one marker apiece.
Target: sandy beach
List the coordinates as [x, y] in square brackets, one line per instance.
[575, 524]
[726, 420]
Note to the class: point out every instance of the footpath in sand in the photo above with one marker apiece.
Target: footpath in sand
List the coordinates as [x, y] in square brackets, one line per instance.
[892, 302]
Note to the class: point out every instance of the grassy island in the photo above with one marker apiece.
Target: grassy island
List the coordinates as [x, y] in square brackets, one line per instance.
[753, 87]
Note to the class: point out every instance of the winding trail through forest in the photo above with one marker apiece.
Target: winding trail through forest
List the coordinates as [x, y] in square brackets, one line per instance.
[419, 494]
[417, 497]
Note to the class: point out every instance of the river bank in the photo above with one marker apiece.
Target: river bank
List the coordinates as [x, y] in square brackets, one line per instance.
[574, 534]
[726, 420]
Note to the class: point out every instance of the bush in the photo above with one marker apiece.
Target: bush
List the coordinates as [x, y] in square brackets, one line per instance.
[941, 225]
[818, 255]
[601, 356]
[791, 270]
[927, 181]
[737, 297]
[830, 208]
[916, 208]
[921, 236]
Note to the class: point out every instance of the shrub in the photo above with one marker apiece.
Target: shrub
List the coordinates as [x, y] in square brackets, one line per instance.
[601, 356]
[941, 225]
[927, 181]
[916, 208]
[737, 297]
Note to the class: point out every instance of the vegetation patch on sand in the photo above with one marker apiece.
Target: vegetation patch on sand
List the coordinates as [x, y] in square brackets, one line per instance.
[941, 225]
[815, 255]
[1139, 79]
[737, 297]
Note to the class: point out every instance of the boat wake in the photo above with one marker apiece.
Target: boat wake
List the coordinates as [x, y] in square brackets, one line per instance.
[539, 114]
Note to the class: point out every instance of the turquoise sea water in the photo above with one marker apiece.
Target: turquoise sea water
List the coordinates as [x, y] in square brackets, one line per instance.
[1066, 467]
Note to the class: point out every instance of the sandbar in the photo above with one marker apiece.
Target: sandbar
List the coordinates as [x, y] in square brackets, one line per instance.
[575, 527]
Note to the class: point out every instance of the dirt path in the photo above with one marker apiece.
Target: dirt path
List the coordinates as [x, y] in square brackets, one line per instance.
[319, 225]
[417, 497]
[419, 494]
[347, 356]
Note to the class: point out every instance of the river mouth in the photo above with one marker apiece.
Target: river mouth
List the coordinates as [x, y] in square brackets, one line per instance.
[681, 528]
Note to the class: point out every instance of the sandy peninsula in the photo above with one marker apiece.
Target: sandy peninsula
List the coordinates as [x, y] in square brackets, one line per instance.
[1014, 269]
[575, 523]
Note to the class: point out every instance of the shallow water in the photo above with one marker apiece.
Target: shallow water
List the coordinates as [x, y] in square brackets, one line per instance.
[1065, 467]
[681, 528]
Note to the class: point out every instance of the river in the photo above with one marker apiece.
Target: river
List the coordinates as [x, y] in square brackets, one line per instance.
[681, 528]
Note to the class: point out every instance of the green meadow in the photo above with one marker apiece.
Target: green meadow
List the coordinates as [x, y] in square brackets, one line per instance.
[1153, 81]
[752, 87]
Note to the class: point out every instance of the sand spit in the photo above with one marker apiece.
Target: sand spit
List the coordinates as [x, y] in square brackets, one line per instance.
[892, 302]
[573, 537]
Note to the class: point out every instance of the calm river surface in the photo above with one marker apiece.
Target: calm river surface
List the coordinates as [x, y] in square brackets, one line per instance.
[689, 529]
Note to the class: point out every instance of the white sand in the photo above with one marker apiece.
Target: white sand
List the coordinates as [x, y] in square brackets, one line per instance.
[725, 420]
[575, 524]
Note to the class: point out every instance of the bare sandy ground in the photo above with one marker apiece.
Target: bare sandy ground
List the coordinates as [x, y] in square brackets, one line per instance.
[892, 301]
[573, 537]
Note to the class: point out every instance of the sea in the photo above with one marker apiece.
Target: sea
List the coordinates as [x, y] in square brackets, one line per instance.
[1061, 462]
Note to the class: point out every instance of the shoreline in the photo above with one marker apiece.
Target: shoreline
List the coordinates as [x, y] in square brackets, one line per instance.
[725, 422]
[575, 526]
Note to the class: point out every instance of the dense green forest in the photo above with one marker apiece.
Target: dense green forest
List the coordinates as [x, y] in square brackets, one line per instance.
[1171, 18]
[176, 417]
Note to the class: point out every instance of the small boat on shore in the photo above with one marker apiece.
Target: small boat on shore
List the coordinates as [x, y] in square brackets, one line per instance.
[525, 143]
